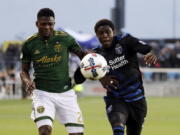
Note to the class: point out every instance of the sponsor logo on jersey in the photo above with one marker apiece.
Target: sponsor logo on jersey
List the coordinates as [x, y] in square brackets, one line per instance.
[57, 47]
[46, 59]
[118, 49]
[40, 109]
[118, 62]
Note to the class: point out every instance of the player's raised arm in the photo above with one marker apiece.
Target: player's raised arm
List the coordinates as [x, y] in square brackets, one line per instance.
[141, 47]
[137, 45]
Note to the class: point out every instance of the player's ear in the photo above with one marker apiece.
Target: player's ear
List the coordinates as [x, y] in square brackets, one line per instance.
[36, 23]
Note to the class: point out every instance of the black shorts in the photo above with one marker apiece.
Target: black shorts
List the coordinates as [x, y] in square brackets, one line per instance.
[130, 114]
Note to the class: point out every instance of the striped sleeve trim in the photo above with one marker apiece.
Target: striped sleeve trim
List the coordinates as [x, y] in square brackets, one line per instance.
[43, 118]
[73, 125]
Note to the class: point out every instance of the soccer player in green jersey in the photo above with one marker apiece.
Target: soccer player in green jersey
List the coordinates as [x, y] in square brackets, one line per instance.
[51, 88]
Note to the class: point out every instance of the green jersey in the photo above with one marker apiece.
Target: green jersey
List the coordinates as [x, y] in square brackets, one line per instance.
[50, 60]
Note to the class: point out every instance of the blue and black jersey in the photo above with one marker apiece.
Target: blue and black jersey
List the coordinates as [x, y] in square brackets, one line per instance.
[123, 62]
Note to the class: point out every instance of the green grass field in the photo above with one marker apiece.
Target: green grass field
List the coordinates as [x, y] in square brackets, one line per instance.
[163, 117]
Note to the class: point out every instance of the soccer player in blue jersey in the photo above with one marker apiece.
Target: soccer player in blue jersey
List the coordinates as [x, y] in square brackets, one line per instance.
[125, 99]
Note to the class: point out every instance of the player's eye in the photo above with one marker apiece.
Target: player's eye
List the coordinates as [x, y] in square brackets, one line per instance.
[101, 32]
[50, 24]
[47, 24]
[108, 31]
[43, 24]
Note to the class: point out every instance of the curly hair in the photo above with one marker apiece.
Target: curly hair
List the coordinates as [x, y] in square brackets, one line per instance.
[45, 12]
[103, 22]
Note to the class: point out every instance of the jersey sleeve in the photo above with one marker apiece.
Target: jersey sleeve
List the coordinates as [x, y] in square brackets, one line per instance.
[137, 45]
[25, 54]
[75, 48]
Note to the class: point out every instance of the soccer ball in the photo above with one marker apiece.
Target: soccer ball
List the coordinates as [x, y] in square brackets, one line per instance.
[93, 66]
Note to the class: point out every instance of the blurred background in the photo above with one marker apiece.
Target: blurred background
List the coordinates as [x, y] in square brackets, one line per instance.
[156, 22]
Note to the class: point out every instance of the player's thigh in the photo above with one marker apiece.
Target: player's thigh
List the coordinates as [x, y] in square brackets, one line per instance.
[117, 113]
[136, 118]
[138, 111]
[133, 128]
[43, 110]
[68, 112]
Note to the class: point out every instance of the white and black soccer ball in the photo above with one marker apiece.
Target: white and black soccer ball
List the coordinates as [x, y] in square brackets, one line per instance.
[93, 66]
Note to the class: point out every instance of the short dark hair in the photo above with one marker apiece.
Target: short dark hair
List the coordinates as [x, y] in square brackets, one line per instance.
[45, 12]
[103, 22]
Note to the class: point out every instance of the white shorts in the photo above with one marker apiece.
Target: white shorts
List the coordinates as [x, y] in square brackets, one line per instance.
[64, 106]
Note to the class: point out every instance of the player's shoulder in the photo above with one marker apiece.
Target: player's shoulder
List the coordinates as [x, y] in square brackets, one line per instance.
[127, 37]
[31, 38]
[97, 49]
[123, 35]
[60, 33]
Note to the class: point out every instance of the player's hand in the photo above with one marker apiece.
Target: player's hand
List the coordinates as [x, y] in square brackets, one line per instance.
[30, 86]
[150, 58]
[109, 81]
[90, 51]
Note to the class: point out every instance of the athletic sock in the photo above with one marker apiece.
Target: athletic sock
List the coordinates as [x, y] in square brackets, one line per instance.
[118, 130]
